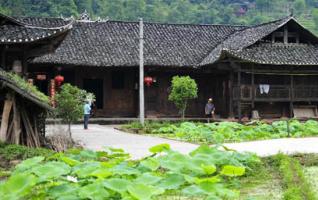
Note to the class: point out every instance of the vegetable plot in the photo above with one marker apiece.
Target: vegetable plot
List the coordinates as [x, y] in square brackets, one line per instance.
[206, 173]
[220, 132]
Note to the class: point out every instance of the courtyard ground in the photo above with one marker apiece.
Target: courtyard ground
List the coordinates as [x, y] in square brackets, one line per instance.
[99, 136]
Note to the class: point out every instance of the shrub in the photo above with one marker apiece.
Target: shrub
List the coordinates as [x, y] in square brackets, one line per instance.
[70, 101]
[13, 151]
[183, 88]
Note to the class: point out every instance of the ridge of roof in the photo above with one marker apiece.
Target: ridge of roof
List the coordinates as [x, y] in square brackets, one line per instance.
[126, 21]
[176, 24]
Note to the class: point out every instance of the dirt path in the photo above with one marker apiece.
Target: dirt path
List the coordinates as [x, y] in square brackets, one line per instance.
[99, 136]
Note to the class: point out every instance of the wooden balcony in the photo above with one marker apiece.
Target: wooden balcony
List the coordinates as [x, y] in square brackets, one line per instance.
[276, 93]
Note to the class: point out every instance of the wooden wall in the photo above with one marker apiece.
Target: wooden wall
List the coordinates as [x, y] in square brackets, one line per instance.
[125, 102]
[116, 102]
[209, 85]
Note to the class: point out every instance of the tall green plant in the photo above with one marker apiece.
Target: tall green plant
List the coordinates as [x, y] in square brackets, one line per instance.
[70, 100]
[183, 88]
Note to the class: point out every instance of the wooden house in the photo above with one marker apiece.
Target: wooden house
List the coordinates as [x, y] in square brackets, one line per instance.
[23, 111]
[270, 68]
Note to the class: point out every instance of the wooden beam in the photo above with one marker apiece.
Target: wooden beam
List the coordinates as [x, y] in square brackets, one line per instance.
[3, 58]
[285, 34]
[239, 109]
[291, 103]
[16, 123]
[231, 113]
[253, 87]
[5, 117]
[24, 64]
[283, 72]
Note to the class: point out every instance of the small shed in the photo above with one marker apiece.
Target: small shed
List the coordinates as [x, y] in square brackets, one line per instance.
[23, 109]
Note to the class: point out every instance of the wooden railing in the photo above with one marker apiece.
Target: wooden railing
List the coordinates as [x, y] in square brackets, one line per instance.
[276, 93]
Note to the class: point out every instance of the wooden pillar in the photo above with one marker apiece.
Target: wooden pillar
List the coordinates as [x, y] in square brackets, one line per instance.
[5, 117]
[24, 65]
[3, 58]
[231, 113]
[285, 35]
[253, 87]
[239, 109]
[141, 74]
[291, 98]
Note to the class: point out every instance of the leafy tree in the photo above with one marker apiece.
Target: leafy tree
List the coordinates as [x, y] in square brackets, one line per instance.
[315, 17]
[70, 100]
[299, 6]
[183, 88]
[168, 11]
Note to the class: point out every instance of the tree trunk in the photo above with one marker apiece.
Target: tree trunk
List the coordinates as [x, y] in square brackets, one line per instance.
[69, 130]
[5, 118]
[183, 110]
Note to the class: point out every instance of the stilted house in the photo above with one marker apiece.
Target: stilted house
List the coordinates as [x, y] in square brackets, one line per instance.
[269, 69]
[23, 108]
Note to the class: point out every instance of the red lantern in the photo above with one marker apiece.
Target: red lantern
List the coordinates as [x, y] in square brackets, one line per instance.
[59, 80]
[148, 80]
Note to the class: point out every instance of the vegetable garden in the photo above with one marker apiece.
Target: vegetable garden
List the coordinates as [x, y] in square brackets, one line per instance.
[220, 132]
[205, 173]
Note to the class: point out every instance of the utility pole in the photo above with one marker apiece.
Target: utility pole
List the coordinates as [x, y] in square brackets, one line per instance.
[141, 73]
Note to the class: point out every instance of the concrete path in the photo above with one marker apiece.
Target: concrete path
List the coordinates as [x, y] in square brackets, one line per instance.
[99, 136]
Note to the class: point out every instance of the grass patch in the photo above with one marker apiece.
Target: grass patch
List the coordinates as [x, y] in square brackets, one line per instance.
[296, 186]
[11, 154]
[311, 174]
[262, 183]
[24, 85]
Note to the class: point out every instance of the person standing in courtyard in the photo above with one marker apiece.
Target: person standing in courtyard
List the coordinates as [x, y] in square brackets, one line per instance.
[209, 109]
[87, 113]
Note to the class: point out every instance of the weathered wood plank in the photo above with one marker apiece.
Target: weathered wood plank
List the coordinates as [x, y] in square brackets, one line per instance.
[16, 123]
[5, 118]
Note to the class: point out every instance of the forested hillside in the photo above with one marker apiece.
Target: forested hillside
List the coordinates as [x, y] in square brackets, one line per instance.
[172, 11]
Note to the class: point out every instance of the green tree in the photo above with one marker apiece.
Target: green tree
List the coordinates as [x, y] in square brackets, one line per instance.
[299, 6]
[183, 88]
[70, 100]
[315, 17]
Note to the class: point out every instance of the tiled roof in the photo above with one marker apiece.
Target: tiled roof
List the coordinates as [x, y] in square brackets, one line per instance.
[115, 43]
[23, 32]
[278, 54]
[244, 38]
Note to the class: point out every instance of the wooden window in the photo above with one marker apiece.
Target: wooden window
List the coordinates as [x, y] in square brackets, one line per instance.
[118, 80]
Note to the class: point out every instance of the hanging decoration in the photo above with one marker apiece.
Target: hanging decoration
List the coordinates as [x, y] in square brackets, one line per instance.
[148, 80]
[52, 92]
[59, 80]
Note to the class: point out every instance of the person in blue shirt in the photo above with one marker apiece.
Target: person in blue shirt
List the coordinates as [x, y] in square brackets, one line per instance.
[87, 112]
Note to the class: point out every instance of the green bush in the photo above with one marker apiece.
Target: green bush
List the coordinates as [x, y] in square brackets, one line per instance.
[18, 152]
[70, 101]
[183, 88]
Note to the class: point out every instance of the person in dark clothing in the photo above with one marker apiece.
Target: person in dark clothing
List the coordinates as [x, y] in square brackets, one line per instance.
[209, 109]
